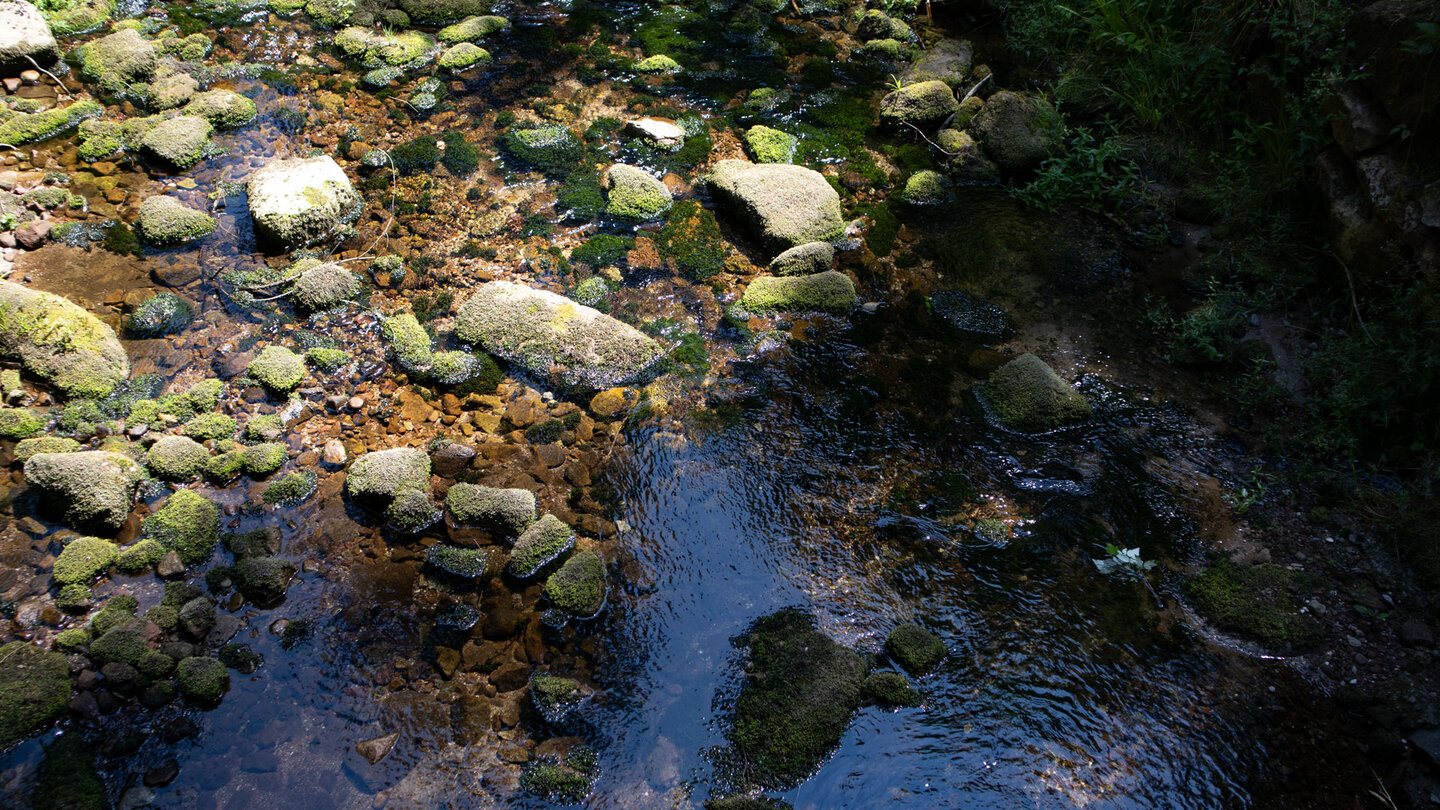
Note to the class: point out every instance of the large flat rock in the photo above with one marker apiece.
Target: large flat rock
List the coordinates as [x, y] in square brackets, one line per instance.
[24, 33]
[298, 202]
[60, 343]
[783, 205]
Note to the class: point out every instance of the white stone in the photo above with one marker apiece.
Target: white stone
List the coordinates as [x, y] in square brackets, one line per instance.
[24, 33]
[301, 201]
[660, 130]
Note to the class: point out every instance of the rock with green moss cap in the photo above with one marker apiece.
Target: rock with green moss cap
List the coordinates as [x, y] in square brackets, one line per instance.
[176, 458]
[556, 697]
[373, 49]
[330, 13]
[59, 342]
[554, 337]
[565, 781]
[926, 187]
[167, 221]
[545, 541]
[948, 61]
[25, 35]
[966, 161]
[69, 640]
[326, 359]
[171, 91]
[1027, 395]
[917, 649]
[192, 48]
[140, 557]
[118, 60]
[262, 580]
[19, 423]
[291, 489]
[578, 588]
[92, 488]
[384, 474]
[658, 64]
[225, 467]
[179, 142]
[298, 202]
[84, 559]
[26, 128]
[203, 680]
[163, 313]
[324, 286]
[800, 690]
[209, 426]
[472, 29]
[44, 444]
[75, 598]
[783, 205]
[412, 511]
[634, 194]
[187, 523]
[830, 291]
[551, 148]
[804, 260]
[1017, 132]
[464, 563]
[278, 369]
[923, 104]
[506, 510]
[892, 50]
[876, 24]
[34, 690]
[99, 139]
[767, 145]
[463, 57]
[80, 17]
[260, 460]
[409, 343]
[891, 689]
[1261, 602]
[224, 109]
[443, 12]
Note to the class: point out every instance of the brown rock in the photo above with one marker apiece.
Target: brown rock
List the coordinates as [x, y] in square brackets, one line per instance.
[32, 235]
[470, 719]
[376, 749]
[447, 660]
[612, 401]
[450, 460]
[482, 656]
[510, 677]
[170, 566]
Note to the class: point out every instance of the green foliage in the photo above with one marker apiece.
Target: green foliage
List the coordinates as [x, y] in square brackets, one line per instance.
[603, 250]
[1096, 173]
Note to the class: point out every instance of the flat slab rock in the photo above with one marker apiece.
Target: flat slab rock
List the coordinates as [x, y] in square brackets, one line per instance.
[784, 205]
[553, 337]
[24, 33]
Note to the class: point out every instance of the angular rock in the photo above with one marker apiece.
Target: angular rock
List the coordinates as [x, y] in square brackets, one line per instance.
[92, 488]
[555, 338]
[578, 588]
[25, 33]
[661, 131]
[59, 342]
[783, 205]
[298, 202]
[384, 474]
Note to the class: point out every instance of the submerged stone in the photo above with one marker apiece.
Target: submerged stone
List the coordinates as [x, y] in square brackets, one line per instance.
[172, 91]
[917, 649]
[298, 202]
[555, 697]
[972, 317]
[784, 205]
[34, 690]
[830, 291]
[91, 488]
[262, 580]
[1029, 396]
[556, 338]
[465, 563]
[507, 510]
[544, 542]
[891, 689]
[59, 342]
[167, 221]
[202, 679]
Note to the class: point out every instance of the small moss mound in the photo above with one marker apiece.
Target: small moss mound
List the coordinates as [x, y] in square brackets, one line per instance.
[554, 697]
[767, 145]
[917, 649]
[34, 689]
[188, 523]
[465, 563]
[544, 542]
[324, 286]
[278, 369]
[463, 56]
[690, 241]
[260, 460]
[412, 511]
[565, 781]
[578, 588]
[44, 444]
[891, 689]
[830, 291]
[167, 221]
[1029, 396]
[635, 194]
[202, 679]
[291, 489]
[384, 474]
[262, 580]
[550, 148]
[140, 557]
[327, 359]
[176, 458]
[602, 250]
[209, 426]
[84, 559]
[19, 423]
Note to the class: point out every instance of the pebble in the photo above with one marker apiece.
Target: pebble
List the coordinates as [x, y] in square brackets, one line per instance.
[356, 403]
[334, 452]
[31, 77]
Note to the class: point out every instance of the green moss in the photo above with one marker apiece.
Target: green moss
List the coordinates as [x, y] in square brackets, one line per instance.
[260, 460]
[411, 511]
[330, 13]
[568, 781]
[264, 427]
[208, 426]
[373, 49]
[658, 64]
[225, 467]
[917, 649]
[831, 291]
[80, 17]
[926, 187]
[550, 148]
[554, 697]
[278, 369]
[1029, 396]
[291, 489]
[320, 287]
[164, 313]
[922, 104]
[19, 423]
[593, 291]
[578, 588]
[542, 543]
[47, 124]
[797, 699]
[176, 458]
[327, 359]
[386, 473]
[465, 563]
[118, 609]
[507, 510]
[263, 580]
[581, 196]
[202, 679]
[59, 342]
[463, 57]
[416, 155]
[68, 640]
[188, 523]
[67, 779]
[1258, 602]
[472, 29]
[166, 617]
[178, 143]
[84, 559]
[75, 598]
[461, 157]
[48, 197]
[140, 557]
[224, 109]
[767, 145]
[190, 48]
[409, 343]
[691, 239]
[635, 194]
[891, 689]
[44, 444]
[602, 250]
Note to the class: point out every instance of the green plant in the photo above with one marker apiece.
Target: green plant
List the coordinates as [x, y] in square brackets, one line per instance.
[1249, 493]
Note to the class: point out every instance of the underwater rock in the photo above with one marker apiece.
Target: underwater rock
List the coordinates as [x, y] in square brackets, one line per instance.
[1029, 396]
[224, 109]
[948, 61]
[784, 205]
[297, 202]
[507, 510]
[323, 286]
[92, 488]
[578, 588]
[556, 697]
[767, 145]
[384, 474]
[800, 691]
[34, 688]
[179, 142]
[556, 338]
[545, 541]
[917, 649]
[924, 104]
[59, 342]
[25, 33]
[830, 291]
[804, 260]
[634, 194]
[412, 512]
[974, 318]
[550, 148]
[660, 131]
[1017, 132]
[167, 221]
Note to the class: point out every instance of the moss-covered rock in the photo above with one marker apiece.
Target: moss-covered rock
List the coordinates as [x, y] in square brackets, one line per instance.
[298, 202]
[67, 778]
[551, 336]
[566, 781]
[373, 49]
[507, 510]
[291, 489]
[84, 559]
[59, 342]
[551, 148]
[578, 588]
[278, 369]
[260, 460]
[262, 580]
[92, 488]
[167, 221]
[326, 359]
[966, 161]
[191, 48]
[541, 544]
[923, 104]
[34, 690]
[99, 139]
[202, 679]
[798, 696]
[409, 343]
[330, 13]
[634, 194]
[176, 458]
[163, 313]
[323, 286]
[658, 64]
[830, 291]
[25, 35]
[555, 697]
[804, 260]
[472, 29]
[690, 242]
[75, 598]
[442, 12]
[140, 557]
[224, 109]
[890, 50]
[81, 17]
[783, 205]
[69, 640]
[948, 61]
[1258, 602]
[876, 24]
[767, 145]
[118, 60]
[179, 142]
[917, 649]
[412, 511]
[209, 426]
[44, 444]
[384, 474]
[187, 523]
[19, 423]
[171, 91]
[743, 801]
[1017, 132]
[1027, 395]
[465, 563]
[35, 127]
[463, 56]
[926, 187]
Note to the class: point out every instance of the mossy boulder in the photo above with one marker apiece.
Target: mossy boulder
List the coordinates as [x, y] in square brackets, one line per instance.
[140, 557]
[118, 60]
[464, 563]
[923, 104]
[224, 109]
[324, 286]
[542, 543]
[176, 458]
[800, 691]
[1027, 395]
[84, 559]
[82, 16]
[917, 649]
[278, 369]
[948, 61]
[408, 343]
[34, 690]
[207, 426]
[260, 460]
[1018, 132]
[966, 161]
[374, 49]
[411, 511]
[830, 291]
[891, 689]
[23, 128]
[876, 24]
[463, 56]
[171, 91]
[384, 474]
[27, 448]
[330, 13]
[783, 205]
[59, 342]
[472, 29]
[634, 194]
[92, 488]
[890, 50]
[163, 313]
[25, 35]
[203, 680]
[1259, 602]
[578, 588]
[804, 260]
[288, 490]
[564, 781]
[187, 523]
[690, 242]
[19, 423]
[99, 139]
[262, 580]
[550, 148]
[178, 143]
[926, 187]
[554, 337]
[442, 12]
[67, 778]
[659, 64]
[507, 510]
[767, 145]
[167, 221]
[298, 202]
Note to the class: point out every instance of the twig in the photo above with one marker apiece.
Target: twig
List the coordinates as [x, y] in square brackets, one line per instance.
[1354, 301]
[394, 194]
[58, 83]
[932, 143]
[976, 87]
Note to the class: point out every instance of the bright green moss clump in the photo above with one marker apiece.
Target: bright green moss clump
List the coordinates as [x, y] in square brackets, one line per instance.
[262, 580]
[372, 49]
[568, 781]
[176, 458]
[188, 523]
[224, 109]
[917, 649]
[178, 143]
[80, 17]
[140, 557]
[202, 679]
[603, 250]
[463, 57]
[99, 139]
[19, 423]
[84, 559]
[543, 542]
[323, 286]
[926, 187]
[278, 369]
[46, 124]
[465, 563]
[658, 64]
[1257, 601]
[34, 689]
[409, 343]
[210, 426]
[412, 511]
[830, 291]
[768, 145]
[578, 588]
[44, 444]
[635, 194]
[60, 343]
[472, 29]
[327, 359]
[691, 241]
[68, 640]
[1029, 396]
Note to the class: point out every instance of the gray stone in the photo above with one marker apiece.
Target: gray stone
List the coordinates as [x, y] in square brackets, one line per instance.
[782, 204]
[25, 33]
[298, 202]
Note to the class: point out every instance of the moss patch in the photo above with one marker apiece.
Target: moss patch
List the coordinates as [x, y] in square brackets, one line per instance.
[1258, 602]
